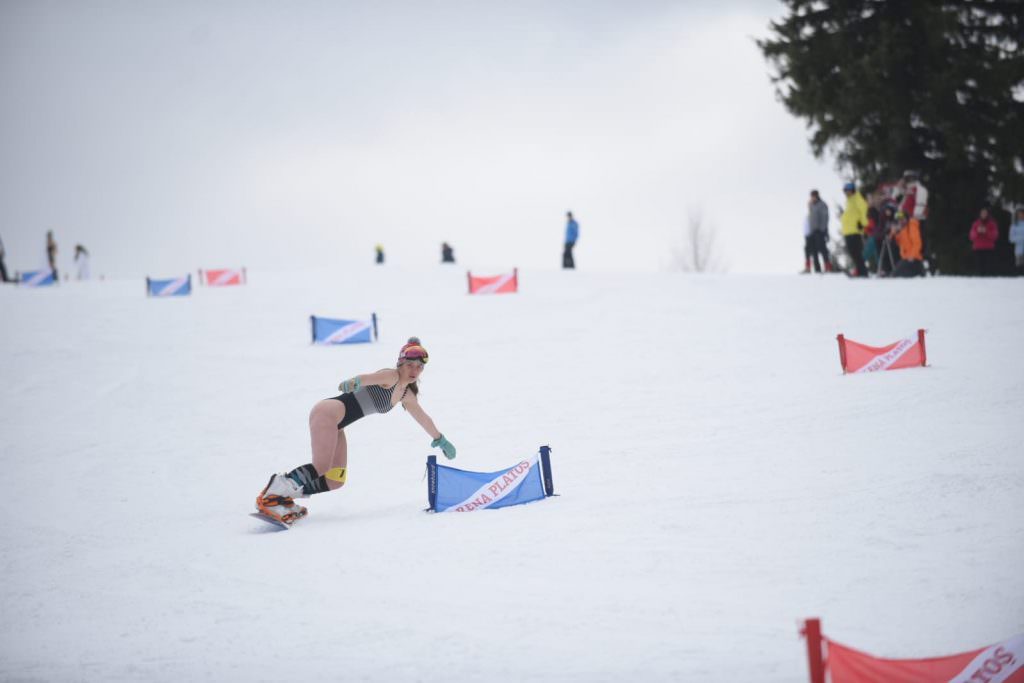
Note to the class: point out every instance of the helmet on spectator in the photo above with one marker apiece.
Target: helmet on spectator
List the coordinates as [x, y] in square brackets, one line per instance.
[849, 187]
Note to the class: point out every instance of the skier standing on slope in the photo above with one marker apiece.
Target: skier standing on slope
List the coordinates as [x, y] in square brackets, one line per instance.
[377, 392]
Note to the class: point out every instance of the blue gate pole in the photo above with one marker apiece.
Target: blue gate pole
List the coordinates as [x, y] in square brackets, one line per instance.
[432, 481]
[545, 463]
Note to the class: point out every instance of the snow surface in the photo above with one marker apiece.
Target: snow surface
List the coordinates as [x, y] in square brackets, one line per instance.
[720, 479]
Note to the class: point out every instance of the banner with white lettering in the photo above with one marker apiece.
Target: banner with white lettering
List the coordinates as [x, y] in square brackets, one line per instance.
[906, 353]
[455, 490]
[36, 278]
[223, 277]
[334, 331]
[507, 283]
[178, 286]
[1000, 663]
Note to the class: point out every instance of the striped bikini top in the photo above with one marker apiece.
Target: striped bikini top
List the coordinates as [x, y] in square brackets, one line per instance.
[377, 399]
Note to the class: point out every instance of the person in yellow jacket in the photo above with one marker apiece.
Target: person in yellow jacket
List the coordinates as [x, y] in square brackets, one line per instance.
[907, 234]
[853, 221]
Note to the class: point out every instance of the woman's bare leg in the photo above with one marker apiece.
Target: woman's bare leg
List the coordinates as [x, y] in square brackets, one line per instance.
[324, 434]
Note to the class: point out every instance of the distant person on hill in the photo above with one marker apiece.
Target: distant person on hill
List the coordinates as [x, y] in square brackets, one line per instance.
[3, 268]
[379, 251]
[817, 234]
[907, 235]
[362, 395]
[854, 219]
[51, 254]
[572, 233]
[983, 236]
[447, 253]
[1016, 236]
[81, 262]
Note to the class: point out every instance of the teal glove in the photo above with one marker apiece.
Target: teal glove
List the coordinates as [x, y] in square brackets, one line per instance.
[446, 446]
[350, 385]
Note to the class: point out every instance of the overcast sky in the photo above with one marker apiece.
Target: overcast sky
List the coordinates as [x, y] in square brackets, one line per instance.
[168, 136]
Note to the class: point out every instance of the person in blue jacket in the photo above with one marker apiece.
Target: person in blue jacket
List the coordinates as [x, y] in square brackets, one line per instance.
[572, 233]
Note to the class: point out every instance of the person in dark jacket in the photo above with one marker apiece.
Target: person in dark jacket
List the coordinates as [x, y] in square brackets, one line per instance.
[51, 254]
[888, 251]
[447, 253]
[817, 236]
[3, 268]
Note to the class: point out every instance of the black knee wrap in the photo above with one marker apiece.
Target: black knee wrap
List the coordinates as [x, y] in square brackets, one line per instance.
[308, 478]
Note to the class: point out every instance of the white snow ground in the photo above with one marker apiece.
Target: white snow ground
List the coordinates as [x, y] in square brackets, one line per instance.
[719, 478]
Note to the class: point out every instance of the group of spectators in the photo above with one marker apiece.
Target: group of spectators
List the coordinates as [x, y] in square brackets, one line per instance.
[886, 233]
[82, 270]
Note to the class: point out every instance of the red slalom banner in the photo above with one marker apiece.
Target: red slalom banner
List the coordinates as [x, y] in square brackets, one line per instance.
[906, 353]
[838, 663]
[222, 277]
[498, 284]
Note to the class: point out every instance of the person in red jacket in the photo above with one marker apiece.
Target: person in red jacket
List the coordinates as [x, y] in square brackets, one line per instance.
[984, 233]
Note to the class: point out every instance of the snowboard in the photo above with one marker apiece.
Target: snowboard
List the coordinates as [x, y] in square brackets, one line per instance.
[281, 526]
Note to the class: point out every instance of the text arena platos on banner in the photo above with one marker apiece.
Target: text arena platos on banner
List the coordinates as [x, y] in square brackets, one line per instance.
[497, 284]
[179, 286]
[222, 277]
[333, 331]
[906, 353]
[36, 278]
[996, 664]
[454, 490]
[837, 663]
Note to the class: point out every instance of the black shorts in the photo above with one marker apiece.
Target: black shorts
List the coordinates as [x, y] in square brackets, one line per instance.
[353, 411]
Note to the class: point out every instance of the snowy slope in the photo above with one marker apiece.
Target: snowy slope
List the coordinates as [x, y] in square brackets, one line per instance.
[720, 479]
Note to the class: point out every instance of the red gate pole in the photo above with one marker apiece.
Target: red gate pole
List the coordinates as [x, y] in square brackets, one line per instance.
[842, 351]
[924, 354]
[815, 662]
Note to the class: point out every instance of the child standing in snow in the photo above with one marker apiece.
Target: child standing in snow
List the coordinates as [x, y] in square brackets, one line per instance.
[376, 392]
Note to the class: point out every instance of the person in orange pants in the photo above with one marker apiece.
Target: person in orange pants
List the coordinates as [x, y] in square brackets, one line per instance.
[907, 234]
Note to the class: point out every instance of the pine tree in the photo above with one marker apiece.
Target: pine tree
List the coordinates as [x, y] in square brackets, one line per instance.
[931, 85]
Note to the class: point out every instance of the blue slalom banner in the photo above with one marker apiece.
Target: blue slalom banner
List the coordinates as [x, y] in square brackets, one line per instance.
[333, 331]
[176, 286]
[454, 490]
[36, 278]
